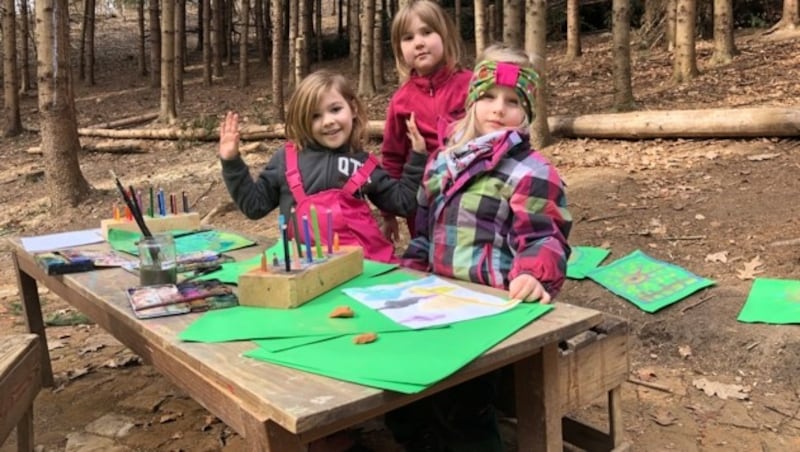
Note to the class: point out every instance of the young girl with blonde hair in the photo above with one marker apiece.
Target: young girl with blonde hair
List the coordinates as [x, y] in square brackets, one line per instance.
[428, 51]
[324, 156]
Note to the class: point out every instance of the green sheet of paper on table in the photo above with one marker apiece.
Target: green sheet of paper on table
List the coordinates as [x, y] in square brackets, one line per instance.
[584, 259]
[774, 301]
[210, 240]
[648, 283]
[310, 319]
[405, 361]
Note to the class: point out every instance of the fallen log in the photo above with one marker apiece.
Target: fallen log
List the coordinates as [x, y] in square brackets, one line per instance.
[124, 122]
[710, 123]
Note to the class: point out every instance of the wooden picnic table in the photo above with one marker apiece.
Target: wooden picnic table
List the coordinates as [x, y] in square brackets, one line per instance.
[281, 409]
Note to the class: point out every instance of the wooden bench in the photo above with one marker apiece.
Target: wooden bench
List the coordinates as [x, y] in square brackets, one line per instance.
[20, 382]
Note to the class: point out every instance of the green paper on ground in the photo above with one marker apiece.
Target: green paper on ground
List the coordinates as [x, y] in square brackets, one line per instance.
[211, 240]
[584, 259]
[414, 359]
[311, 319]
[775, 301]
[648, 283]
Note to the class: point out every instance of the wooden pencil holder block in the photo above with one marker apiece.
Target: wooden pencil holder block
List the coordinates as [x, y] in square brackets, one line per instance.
[189, 221]
[277, 288]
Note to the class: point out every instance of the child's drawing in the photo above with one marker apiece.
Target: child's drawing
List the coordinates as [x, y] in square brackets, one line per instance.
[429, 302]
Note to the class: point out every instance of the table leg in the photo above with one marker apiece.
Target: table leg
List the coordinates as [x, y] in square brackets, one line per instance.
[32, 308]
[271, 437]
[537, 401]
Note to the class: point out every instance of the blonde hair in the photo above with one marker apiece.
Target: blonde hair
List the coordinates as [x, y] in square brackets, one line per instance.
[432, 15]
[466, 128]
[305, 101]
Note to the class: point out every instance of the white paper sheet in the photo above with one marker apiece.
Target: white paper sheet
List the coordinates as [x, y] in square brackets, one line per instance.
[60, 240]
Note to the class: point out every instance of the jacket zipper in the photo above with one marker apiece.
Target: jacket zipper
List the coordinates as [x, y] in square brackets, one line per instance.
[430, 87]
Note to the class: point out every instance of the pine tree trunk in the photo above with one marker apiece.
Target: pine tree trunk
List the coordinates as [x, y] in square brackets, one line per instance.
[366, 75]
[377, 56]
[623, 92]
[294, 23]
[244, 79]
[277, 61]
[685, 59]
[458, 12]
[180, 48]
[354, 34]
[207, 47]
[536, 46]
[82, 45]
[512, 23]
[25, 83]
[66, 185]
[671, 23]
[155, 45]
[142, 38]
[724, 47]
[790, 19]
[305, 28]
[480, 26]
[318, 28]
[227, 30]
[201, 31]
[258, 12]
[13, 125]
[217, 45]
[90, 41]
[167, 111]
[573, 29]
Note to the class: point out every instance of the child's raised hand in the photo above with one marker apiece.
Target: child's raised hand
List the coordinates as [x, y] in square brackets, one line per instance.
[527, 288]
[229, 136]
[417, 142]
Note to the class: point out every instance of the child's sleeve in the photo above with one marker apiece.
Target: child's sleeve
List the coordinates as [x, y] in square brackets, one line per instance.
[395, 146]
[416, 255]
[255, 198]
[541, 225]
[397, 197]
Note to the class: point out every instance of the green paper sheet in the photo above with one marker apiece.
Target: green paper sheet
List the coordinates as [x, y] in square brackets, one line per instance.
[230, 271]
[775, 301]
[648, 283]
[212, 240]
[278, 344]
[416, 357]
[584, 259]
[310, 319]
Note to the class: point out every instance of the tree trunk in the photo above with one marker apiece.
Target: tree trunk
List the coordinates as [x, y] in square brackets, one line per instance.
[66, 185]
[480, 26]
[354, 34]
[13, 125]
[90, 42]
[685, 59]
[712, 123]
[258, 12]
[536, 46]
[180, 48]
[82, 45]
[227, 30]
[207, 50]
[366, 74]
[244, 80]
[201, 26]
[623, 92]
[217, 44]
[671, 23]
[790, 19]
[155, 45]
[512, 23]
[724, 47]
[304, 27]
[318, 28]
[277, 61]
[457, 13]
[25, 83]
[573, 29]
[294, 6]
[377, 56]
[142, 37]
[167, 112]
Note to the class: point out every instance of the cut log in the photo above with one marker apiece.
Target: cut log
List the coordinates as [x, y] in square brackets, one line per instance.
[121, 147]
[124, 122]
[711, 123]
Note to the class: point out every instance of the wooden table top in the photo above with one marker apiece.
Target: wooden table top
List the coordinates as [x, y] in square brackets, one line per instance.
[228, 384]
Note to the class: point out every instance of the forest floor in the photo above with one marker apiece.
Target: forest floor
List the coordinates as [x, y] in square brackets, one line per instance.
[711, 206]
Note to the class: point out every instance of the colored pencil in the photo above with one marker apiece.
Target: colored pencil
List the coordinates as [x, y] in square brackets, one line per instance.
[315, 228]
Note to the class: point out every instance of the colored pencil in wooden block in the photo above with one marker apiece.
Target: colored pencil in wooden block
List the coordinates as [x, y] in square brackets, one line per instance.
[315, 227]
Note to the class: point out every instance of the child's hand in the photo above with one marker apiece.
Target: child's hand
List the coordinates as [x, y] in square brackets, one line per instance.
[390, 229]
[417, 142]
[229, 136]
[527, 288]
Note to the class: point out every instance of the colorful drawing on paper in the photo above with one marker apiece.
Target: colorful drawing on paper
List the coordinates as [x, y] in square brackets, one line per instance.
[584, 259]
[775, 301]
[429, 302]
[648, 283]
[208, 240]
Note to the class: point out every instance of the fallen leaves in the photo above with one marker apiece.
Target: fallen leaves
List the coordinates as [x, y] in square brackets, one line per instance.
[721, 256]
[750, 269]
[684, 351]
[663, 417]
[762, 157]
[721, 390]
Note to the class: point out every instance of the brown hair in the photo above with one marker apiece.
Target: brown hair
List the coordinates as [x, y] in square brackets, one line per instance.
[305, 101]
[432, 15]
